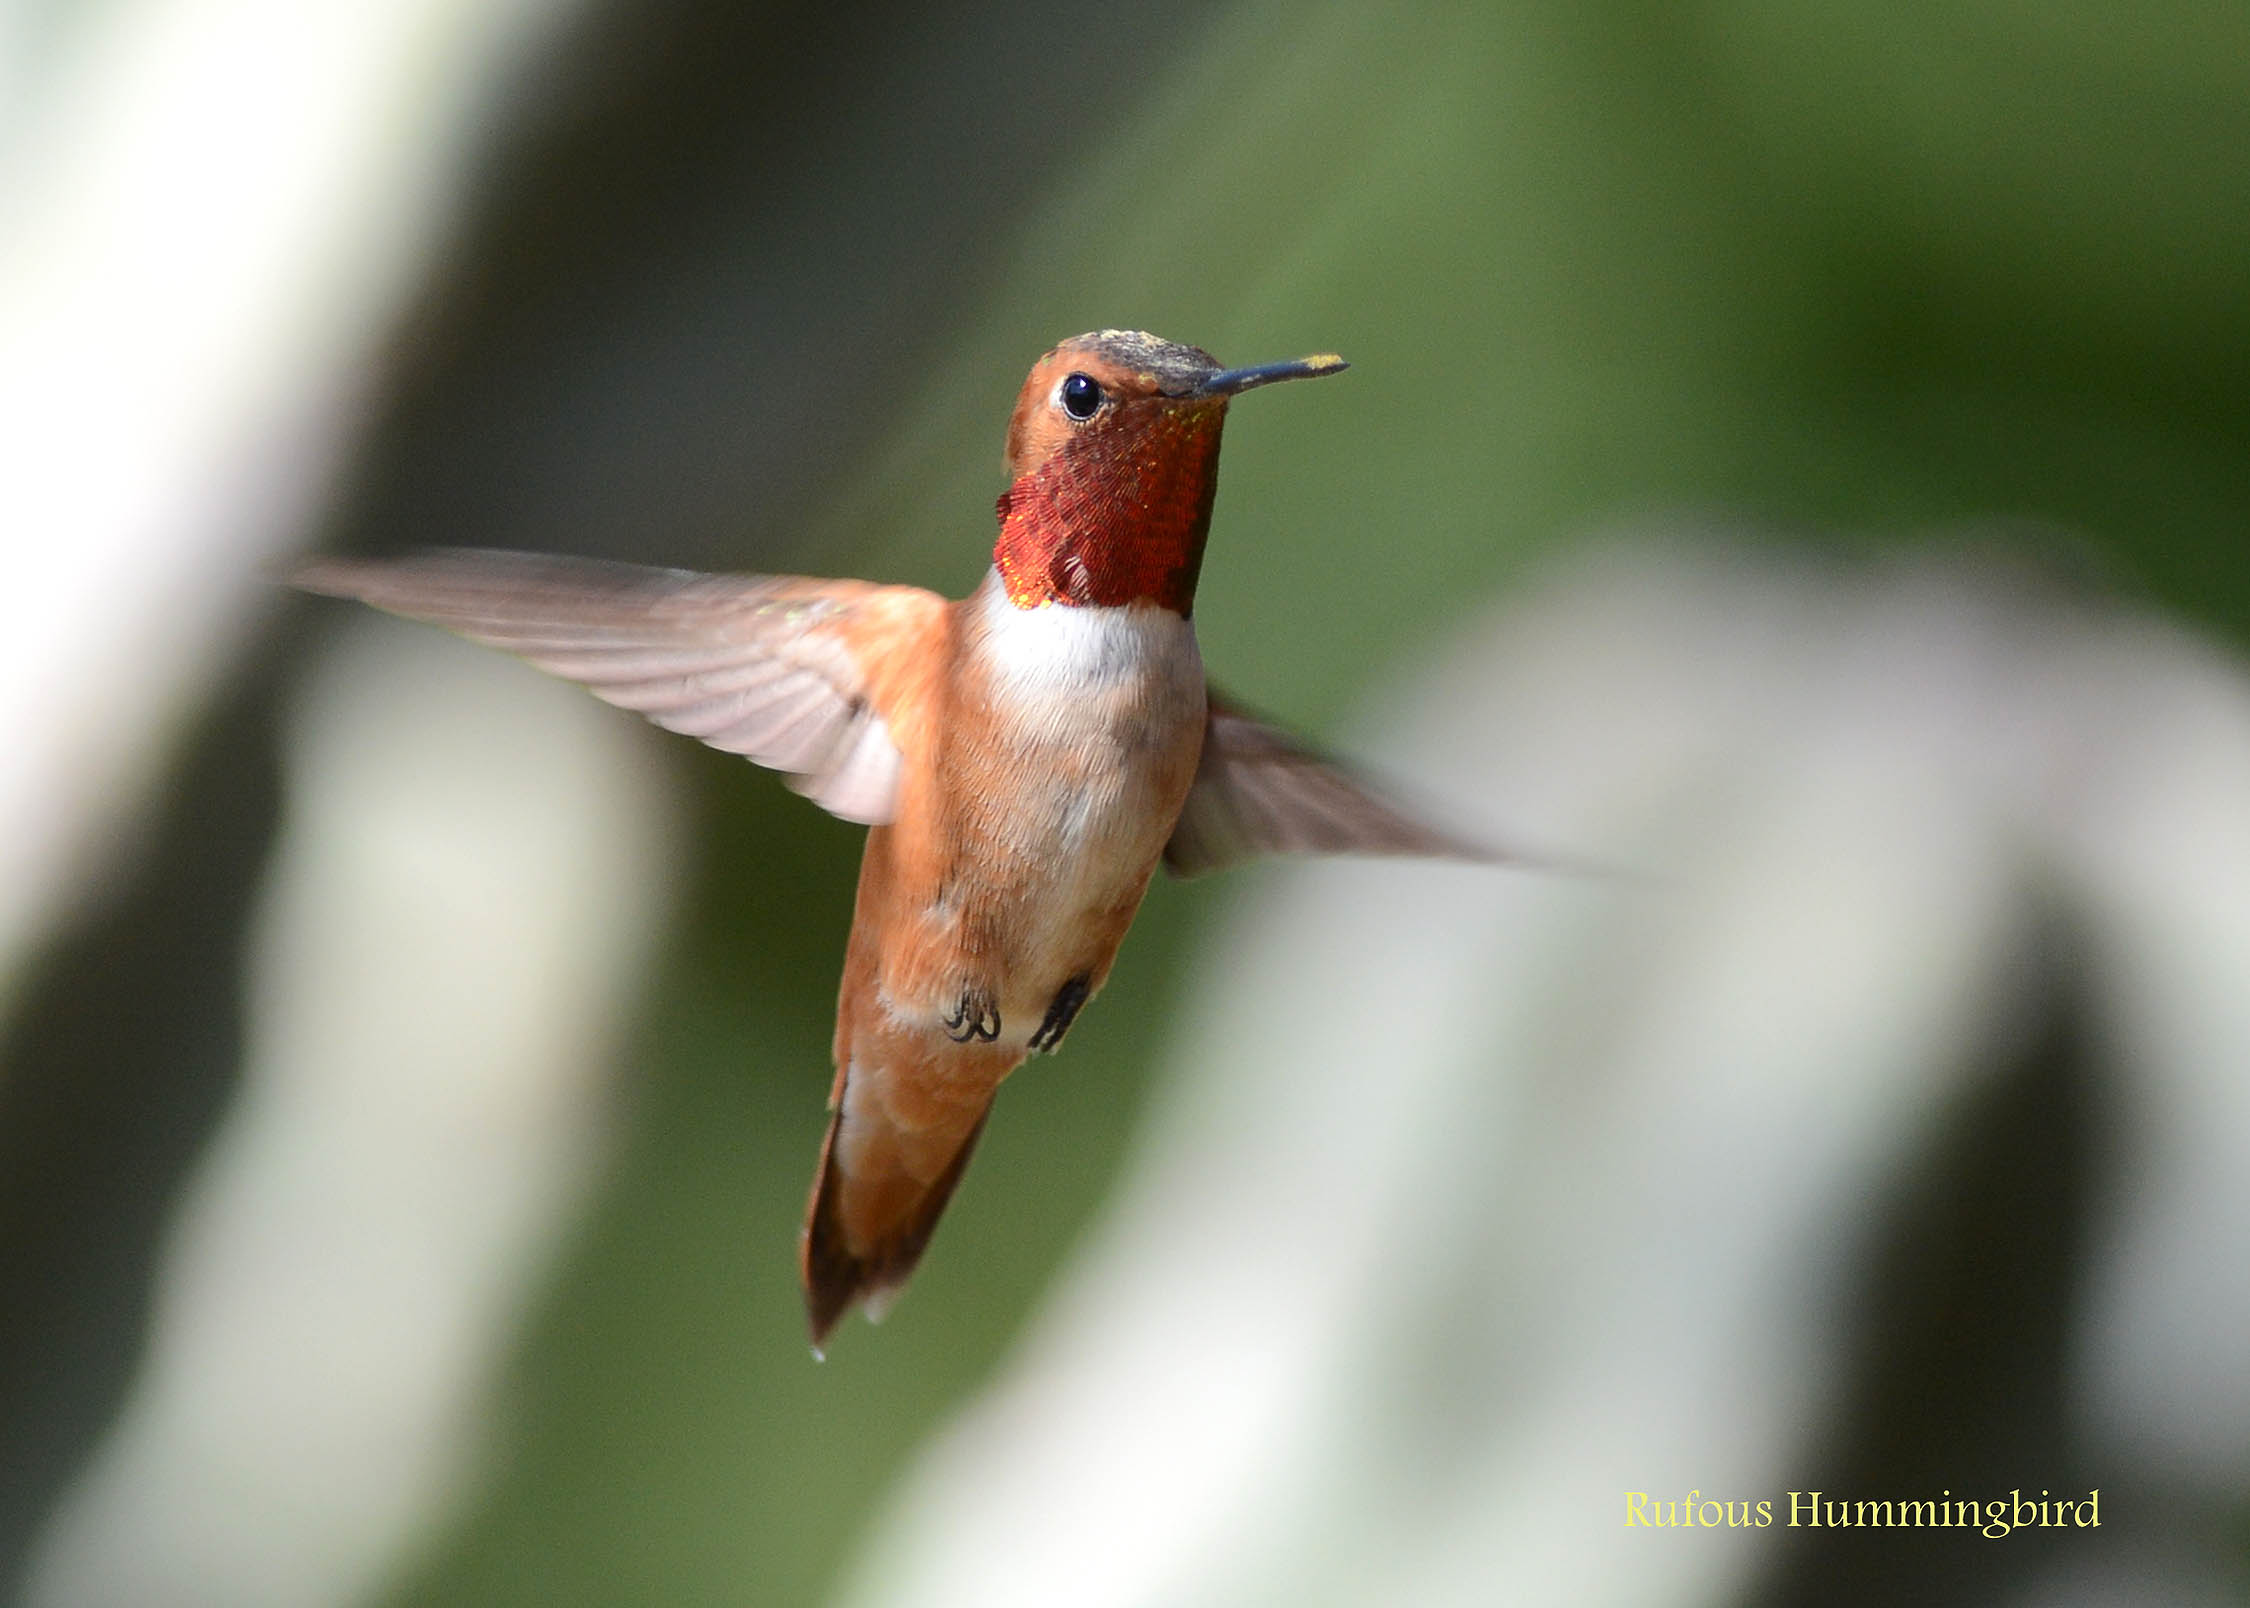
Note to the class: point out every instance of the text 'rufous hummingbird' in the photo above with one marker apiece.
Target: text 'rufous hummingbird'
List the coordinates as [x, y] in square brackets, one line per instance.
[1024, 756]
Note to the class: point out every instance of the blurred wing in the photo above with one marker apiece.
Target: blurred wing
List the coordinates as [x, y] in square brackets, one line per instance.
[788, 671]
[1259, 791]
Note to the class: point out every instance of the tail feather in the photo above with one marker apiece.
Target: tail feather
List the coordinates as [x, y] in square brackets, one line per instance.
[877, 1196]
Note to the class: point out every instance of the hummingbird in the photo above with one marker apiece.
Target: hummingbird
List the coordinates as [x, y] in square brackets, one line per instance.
[1024, 757]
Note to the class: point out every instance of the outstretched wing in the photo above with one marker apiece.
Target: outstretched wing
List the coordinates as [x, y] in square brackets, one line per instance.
[797, 674]
[1260, 791]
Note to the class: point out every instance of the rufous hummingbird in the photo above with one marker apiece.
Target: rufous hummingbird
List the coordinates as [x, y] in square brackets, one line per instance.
[1024, 757]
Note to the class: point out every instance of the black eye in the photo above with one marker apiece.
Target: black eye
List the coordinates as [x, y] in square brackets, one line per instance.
[1081, 396]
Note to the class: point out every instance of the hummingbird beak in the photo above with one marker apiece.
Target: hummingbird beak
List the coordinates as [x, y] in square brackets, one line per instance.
[1231, 382]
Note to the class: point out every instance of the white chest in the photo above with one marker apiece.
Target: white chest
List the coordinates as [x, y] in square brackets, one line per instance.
[1061, 652]
[1097, 715]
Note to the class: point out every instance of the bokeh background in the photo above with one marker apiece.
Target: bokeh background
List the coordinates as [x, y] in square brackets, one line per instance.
[1797, 452]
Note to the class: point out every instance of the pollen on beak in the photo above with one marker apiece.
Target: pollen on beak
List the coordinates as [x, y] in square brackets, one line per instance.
[1230, 382]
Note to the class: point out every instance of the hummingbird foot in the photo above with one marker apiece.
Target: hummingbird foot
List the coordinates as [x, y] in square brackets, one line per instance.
[1069, 1000]
[975, 1018]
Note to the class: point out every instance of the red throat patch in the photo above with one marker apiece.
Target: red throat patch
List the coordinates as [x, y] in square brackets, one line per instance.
[1118, 515]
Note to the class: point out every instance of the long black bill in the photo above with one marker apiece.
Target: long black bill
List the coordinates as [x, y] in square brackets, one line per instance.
[1231, 382]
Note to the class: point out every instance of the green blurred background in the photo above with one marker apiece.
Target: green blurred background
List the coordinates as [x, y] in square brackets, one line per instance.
[752, 286]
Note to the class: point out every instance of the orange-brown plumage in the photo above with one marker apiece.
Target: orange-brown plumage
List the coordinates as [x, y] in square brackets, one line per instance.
[1024, 757]
[1018, 855]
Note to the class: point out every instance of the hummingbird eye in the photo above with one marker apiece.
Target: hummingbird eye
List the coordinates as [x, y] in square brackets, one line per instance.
[1081, 396]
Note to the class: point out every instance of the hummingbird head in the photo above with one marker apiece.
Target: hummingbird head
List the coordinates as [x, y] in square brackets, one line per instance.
[1113, 454]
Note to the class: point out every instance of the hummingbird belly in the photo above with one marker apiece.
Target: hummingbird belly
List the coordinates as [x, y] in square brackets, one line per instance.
[1076, 732]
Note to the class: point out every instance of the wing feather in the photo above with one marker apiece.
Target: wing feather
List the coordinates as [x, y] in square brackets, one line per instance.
[1260, 791]
[786, 670]
[857, 776]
